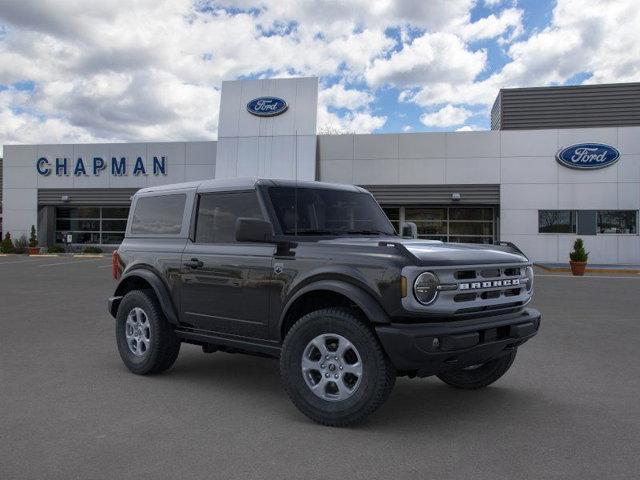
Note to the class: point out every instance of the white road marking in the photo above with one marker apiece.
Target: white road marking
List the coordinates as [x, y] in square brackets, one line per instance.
[20, 261]
[105, 266]
[69, 263]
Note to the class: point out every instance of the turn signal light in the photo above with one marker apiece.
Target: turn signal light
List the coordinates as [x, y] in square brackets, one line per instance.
[115, 265]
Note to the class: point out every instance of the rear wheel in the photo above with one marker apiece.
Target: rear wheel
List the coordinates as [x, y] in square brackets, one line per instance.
[146, 341]
[479, 376]
[334, 369]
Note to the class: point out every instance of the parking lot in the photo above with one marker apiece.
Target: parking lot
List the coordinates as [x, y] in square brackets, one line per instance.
[569, 408]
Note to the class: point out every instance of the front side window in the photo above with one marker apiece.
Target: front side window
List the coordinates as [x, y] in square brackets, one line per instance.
[218, 212]
[618, 221]
[556, 221]
[316, 211]
[159, 215]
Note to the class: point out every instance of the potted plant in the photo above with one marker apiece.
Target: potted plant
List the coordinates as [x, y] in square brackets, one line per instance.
[33, 242]
[578, 258]
[7, 244]
[21, 245]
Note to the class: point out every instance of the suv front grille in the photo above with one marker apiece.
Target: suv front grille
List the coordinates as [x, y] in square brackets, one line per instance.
[474, 289]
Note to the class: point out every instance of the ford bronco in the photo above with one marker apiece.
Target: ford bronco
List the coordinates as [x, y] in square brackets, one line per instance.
[314, 274]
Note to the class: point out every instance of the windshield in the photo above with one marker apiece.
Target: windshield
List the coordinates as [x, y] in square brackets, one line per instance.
[315, 211]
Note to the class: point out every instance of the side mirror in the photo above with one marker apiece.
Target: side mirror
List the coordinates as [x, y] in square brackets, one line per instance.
[409, 230]
[253, 230]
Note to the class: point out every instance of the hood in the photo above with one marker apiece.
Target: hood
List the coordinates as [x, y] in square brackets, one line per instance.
[436, 253]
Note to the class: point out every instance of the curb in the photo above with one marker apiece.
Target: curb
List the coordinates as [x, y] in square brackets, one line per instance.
[88, 255]
[590, 269]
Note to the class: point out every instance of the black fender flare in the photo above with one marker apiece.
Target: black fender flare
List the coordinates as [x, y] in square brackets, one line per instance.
[158, 286]
[364, 300]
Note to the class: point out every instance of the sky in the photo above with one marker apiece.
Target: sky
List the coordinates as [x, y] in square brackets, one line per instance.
[77, 71]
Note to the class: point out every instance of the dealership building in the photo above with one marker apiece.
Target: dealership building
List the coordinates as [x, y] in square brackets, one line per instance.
[559, 163]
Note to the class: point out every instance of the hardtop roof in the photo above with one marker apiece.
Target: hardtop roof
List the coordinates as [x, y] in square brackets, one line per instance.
[244, 183]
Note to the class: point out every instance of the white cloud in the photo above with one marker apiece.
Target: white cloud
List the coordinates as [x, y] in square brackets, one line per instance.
[151, 69]
[469, 128]
[351, 122]
[583, 37]
[447, 116]
[407, 128]
[338, 96]
[509, 20]
[432, 57]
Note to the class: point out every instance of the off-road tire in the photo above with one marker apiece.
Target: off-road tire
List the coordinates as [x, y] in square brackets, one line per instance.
[480, 377]
[164, 345]
[378, 376]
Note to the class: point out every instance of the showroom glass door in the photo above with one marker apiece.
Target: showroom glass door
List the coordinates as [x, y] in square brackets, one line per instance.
[91, 225]
[448, 224]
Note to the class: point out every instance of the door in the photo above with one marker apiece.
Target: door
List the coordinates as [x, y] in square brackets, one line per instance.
[225, 284]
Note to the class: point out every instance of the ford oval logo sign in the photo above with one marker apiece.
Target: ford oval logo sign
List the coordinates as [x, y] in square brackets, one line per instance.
[588, 156]
[267, 106]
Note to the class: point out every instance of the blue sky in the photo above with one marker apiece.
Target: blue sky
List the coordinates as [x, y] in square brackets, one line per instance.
[77, 71]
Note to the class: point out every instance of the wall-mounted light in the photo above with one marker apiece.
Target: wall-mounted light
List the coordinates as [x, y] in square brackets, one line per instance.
[65, 198]
[455, 196]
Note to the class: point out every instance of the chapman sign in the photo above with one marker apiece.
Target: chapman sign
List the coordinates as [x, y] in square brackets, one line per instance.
[267, 106]
[96, 165]
[588, 156]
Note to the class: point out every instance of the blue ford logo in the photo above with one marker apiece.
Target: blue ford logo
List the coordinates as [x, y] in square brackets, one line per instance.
[267, 106]
[588, 156]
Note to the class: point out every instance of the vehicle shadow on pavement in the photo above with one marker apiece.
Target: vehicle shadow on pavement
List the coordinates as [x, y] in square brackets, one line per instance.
[414, 404]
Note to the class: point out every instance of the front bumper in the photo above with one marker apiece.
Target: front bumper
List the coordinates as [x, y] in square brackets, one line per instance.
[430, 348]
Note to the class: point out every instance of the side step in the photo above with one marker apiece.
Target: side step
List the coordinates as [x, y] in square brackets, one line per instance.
[213, 340]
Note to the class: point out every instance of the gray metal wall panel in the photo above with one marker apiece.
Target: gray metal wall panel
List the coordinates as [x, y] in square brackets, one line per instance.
[435, 194]
[86, 196]
[567, 107]
[587, 222]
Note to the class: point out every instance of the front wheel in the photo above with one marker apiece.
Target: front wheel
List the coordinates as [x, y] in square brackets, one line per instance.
[479, 376]
[334, 369]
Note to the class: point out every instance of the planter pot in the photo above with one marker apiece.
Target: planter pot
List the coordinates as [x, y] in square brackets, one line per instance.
[34, 250]
[578, 268]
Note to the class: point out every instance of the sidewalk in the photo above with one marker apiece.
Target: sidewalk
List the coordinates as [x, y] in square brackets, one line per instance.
[591, 268]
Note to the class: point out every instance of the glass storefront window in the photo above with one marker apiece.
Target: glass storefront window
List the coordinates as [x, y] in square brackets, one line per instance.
[618, 221]
[91, 225]
[393, 214]
[478, 214]
[556, 221]
[450, 224]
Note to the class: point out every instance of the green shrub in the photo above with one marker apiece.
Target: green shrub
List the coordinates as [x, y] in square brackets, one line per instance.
[21, 244]
[33, 238]
[7, 244]
[579, 254]
[92, 250]
[56, 249]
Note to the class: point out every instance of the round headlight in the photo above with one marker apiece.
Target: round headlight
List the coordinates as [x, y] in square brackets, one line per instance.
[529, 273]
[425, 288]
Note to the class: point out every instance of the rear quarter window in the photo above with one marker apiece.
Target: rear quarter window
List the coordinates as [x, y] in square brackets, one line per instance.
[158, 215]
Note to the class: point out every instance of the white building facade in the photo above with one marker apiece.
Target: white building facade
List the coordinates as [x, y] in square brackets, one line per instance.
[457, 186]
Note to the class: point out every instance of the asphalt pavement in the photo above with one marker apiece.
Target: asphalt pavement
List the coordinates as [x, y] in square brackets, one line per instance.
[568, 408]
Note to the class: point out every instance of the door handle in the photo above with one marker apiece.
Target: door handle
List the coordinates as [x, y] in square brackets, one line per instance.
[194, 263]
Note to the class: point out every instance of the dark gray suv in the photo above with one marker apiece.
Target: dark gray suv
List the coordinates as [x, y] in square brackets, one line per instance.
[315, 275]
